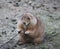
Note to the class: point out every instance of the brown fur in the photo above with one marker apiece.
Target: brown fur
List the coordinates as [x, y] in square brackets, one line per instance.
[35, 30]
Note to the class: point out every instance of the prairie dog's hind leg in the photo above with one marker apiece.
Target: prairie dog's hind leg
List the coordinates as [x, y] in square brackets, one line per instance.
[21, 40]
[37, 41]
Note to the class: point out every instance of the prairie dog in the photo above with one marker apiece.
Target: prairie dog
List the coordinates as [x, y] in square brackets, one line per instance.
[30, 29]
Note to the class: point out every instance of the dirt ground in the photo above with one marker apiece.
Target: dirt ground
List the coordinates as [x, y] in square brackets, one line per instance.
[48, 10]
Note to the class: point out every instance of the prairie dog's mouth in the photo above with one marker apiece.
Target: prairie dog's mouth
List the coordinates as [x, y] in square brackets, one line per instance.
[26, 24]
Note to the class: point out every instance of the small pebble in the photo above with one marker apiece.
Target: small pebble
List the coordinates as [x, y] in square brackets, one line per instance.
[6, 17]
[33, 7]
[0, 7]
[12, 30]
[30, 2]
[0, 35]
[55, 8]
[15, 23]
[23, 48]
[16, 5]
[9, 2]
[7, 48]
[4, 32]
[19, 0]
[13, 27]
[13, 20]
[50, 16]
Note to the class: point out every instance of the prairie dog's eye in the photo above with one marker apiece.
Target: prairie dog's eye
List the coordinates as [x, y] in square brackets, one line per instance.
[28, 18]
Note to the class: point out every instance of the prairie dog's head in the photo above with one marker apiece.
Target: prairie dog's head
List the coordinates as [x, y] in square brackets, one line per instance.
[28, 18]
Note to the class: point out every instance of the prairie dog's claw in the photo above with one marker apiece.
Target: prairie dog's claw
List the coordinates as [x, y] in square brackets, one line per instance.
[27, 32]
[19, 32]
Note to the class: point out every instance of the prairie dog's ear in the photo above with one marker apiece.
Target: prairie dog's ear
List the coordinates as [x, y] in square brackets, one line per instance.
[33, 18]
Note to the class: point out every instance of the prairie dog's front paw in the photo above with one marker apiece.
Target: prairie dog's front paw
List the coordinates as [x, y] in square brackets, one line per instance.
[27, 32]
